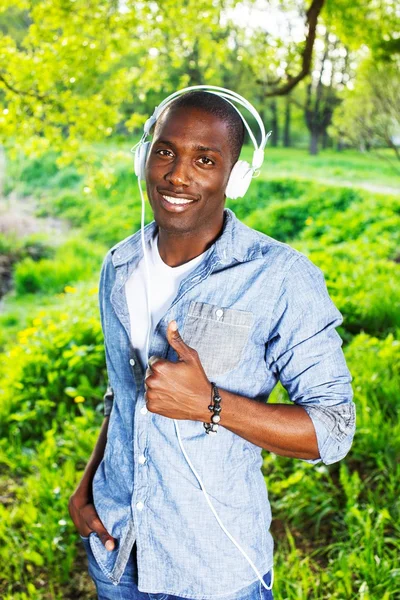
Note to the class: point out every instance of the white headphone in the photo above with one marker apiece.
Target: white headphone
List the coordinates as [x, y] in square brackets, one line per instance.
[242, 172]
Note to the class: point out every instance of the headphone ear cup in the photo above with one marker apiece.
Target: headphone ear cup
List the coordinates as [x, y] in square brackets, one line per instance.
[239, 180]
[141, 154]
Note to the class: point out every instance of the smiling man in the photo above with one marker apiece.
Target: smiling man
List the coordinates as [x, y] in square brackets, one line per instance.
[233, 312]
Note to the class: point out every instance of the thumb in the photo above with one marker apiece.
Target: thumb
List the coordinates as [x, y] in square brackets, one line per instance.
[174, 339]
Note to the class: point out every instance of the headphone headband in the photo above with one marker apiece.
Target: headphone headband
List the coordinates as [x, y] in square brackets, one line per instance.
[242, 172]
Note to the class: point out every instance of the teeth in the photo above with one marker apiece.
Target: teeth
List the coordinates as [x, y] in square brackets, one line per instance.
[177, 200]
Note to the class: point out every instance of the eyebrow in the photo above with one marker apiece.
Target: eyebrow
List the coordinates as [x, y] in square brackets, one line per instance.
[199, 148]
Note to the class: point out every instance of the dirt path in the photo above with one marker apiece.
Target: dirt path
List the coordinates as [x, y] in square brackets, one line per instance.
[18, 219]
[18, 214]
[365, 185]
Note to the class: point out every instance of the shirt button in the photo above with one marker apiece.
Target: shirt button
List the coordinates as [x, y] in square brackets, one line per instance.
[219, 312]
[132, 362]
[139, 505]
[142, 459]
[143, 410]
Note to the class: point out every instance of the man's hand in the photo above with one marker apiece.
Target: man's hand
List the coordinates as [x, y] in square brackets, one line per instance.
[86, 519]
[178, 390]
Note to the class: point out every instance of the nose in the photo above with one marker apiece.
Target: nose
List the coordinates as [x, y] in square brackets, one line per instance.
[178, 174]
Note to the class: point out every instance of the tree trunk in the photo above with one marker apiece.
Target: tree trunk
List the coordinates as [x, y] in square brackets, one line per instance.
[314, 141]
[274, 124]
[286, 130]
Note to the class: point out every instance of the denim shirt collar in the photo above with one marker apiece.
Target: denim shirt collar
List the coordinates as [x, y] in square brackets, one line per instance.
[233, 243]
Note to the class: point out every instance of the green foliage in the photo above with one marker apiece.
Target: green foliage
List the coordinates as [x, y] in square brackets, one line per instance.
[369, 115]
[369, 220]
[37, 538]
[363, 286]
[75, 260]
[286, 220]
[59, 360]
[375, 367]
[36, 246]
[262, 192]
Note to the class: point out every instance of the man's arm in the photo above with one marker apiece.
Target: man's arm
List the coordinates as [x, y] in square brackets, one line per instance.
[304, 352]
[80, 506]
[280, 428]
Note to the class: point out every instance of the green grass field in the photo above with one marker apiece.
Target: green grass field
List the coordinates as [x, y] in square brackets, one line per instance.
[336, 527]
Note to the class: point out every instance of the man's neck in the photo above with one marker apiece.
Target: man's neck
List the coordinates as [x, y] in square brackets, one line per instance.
[177, 249]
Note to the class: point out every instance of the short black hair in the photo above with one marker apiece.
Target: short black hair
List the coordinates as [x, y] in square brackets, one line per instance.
[219, 107]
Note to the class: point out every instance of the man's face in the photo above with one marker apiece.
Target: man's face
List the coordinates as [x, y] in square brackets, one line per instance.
[188, 169]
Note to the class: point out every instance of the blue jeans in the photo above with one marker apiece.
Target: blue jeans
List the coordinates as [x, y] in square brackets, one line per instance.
[127, 588]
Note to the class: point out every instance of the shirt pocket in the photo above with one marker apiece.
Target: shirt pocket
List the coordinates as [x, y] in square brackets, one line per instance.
[218, 334]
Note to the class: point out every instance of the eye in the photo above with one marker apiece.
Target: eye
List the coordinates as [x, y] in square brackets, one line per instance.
[207, 161]
[164, 150]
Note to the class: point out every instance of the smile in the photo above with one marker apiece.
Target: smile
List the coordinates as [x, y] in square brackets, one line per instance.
[175, 201]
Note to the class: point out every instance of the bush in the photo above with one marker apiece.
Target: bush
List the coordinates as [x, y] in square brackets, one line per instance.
[285, 221]
[35, 245]
[72, 206]
[262, 193]
[75, 260]
[375, 367]
[374, 216]
[58, 361]
[366, 289]
[110, 225]
[38, 541]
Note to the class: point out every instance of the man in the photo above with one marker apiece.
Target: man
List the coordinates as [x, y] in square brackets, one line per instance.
[232, 307]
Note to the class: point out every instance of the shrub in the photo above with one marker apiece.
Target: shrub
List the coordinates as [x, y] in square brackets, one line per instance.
[375, 216]
[75, 260]
[285, 221]
[58, 359]
[263, 192]
[110, 225]
[375, 367]
[366, 289]
[38, 541]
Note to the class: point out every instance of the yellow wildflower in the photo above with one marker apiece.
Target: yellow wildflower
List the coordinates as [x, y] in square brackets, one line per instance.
[69, 289]
[309, 220]
[79, 399]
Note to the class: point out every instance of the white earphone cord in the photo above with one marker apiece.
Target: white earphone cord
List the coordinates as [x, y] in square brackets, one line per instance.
[175, 422]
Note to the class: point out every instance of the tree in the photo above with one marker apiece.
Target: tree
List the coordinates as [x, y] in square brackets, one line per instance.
[370, 114]
[330, 74]
[78, 69]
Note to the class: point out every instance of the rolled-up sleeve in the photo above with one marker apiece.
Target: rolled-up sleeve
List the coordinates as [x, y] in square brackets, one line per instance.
[305, 353]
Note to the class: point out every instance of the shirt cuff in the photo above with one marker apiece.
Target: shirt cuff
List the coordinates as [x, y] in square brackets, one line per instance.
[334, 428]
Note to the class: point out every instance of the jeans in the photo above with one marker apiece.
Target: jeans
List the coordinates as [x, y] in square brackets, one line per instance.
[127, 588]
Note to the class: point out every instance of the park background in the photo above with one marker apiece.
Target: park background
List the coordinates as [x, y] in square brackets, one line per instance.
[78, 78]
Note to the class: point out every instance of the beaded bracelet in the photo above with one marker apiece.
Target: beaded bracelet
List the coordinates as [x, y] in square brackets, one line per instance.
[215, 409]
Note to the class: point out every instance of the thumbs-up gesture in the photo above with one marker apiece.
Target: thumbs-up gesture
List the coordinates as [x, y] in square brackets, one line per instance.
[178, 390]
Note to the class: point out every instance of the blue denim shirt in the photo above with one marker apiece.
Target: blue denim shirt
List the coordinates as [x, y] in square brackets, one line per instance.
[257, 311]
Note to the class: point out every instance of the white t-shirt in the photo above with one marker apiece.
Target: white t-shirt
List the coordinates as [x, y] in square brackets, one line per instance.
[164, 282]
